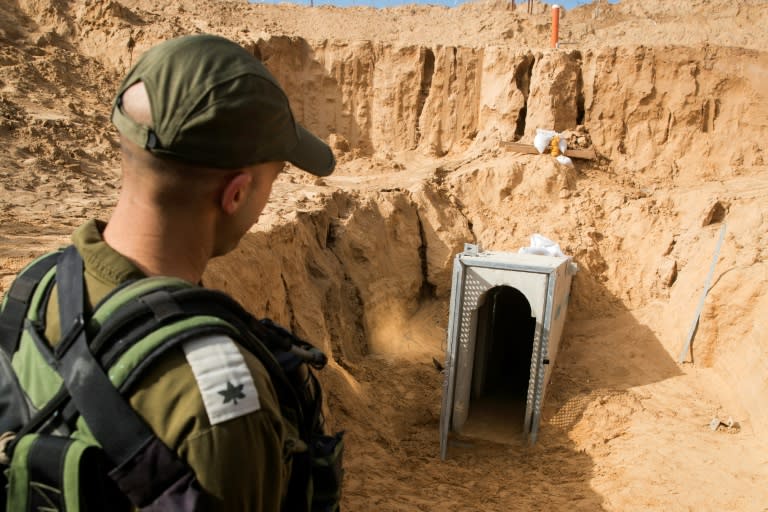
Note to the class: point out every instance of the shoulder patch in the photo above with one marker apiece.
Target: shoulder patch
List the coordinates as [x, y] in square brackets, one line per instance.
[223, 377]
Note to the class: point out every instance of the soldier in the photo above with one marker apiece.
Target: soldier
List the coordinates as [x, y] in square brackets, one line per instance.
[204, 132]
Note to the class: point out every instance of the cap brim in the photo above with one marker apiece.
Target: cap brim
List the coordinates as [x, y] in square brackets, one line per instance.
[311, 154]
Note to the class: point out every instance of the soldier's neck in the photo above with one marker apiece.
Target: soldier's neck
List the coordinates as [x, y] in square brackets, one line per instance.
[160, 244]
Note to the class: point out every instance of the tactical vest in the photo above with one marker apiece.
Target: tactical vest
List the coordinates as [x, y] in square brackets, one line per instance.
[72, 440]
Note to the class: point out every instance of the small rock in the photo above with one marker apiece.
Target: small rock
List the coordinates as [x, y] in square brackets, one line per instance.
[338, 143]
[715, 212]
[667, 271]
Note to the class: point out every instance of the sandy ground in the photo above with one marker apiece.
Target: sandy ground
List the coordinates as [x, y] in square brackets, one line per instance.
[418, 102]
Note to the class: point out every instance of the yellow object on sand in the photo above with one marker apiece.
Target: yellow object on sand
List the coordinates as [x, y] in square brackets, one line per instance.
[555, 145]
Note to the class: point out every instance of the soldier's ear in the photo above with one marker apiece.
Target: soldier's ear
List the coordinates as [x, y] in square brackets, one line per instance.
[235, 192]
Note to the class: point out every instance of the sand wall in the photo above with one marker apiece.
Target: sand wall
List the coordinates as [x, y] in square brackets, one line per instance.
[322, 273]
[668, 111]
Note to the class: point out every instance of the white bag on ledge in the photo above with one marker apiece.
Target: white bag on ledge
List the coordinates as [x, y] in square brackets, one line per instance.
[542, 246]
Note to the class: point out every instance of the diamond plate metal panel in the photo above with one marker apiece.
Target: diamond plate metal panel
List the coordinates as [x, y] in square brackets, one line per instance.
[534, 395]
[474, 288]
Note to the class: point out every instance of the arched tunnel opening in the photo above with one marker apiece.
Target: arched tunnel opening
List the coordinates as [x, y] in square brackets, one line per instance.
[502, 361]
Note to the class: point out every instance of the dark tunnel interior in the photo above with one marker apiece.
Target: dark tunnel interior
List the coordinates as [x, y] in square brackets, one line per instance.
[502, 360]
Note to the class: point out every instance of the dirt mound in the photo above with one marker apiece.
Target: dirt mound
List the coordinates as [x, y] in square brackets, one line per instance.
[423, 105]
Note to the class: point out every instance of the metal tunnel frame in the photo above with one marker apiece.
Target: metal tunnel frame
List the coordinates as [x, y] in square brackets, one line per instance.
[545, 282]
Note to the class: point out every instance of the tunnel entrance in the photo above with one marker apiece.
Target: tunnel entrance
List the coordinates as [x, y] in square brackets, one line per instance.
[505, 322]
[502, 365]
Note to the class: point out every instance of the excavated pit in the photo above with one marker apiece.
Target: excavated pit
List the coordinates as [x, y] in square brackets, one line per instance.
[360, 262]
[366, 274]
[394, 107]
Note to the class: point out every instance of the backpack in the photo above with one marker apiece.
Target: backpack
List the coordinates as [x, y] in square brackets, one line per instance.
[69, 439]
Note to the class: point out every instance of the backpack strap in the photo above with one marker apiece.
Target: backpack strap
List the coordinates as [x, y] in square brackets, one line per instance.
[127, 440]
[17, 301]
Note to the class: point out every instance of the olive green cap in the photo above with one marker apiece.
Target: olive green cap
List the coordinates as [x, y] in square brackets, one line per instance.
[214, 104]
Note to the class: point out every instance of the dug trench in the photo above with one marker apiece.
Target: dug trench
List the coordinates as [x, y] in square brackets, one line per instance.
[366, 275]
[360, 263]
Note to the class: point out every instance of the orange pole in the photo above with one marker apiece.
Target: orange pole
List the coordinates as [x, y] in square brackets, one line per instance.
[555, 25]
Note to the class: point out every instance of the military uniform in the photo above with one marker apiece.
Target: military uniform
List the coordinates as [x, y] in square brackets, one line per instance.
[200, 101]
[240, 456]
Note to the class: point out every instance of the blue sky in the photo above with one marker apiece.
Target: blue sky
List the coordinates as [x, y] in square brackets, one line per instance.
[568, 4]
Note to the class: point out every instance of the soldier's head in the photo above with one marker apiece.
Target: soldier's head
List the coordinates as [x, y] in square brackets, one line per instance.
[203, 124]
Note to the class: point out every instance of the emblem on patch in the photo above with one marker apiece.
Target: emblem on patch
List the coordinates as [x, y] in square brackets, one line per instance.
[232, 393]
